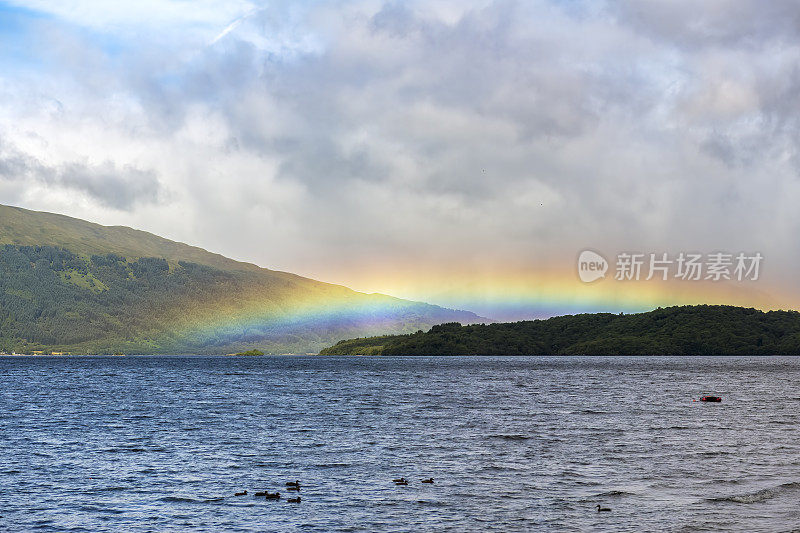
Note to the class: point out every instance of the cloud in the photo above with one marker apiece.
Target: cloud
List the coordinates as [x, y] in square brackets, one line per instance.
[119, 188]
[357, 137]
[714, 23]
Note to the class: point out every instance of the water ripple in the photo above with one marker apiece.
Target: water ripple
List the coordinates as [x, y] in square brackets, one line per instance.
[513, 444]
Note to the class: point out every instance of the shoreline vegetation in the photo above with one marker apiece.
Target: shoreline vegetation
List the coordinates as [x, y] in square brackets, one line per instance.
[682, 330]
[248, 353]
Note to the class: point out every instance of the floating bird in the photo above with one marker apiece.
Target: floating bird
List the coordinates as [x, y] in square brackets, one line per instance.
[294, 500]
[243, 493]
[273, 496]
[404, 482]
[293, 484]
[429, 480]
[402, 479]
[602, 509]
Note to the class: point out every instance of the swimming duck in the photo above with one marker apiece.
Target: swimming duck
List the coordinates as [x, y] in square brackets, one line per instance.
[293, 484]
[404, 482]
[243, 493]
[429, 480]
[601, 509]
[294, 500]
[273, 496]
[400, 480]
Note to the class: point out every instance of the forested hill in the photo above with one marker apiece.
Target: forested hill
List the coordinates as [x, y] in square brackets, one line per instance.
[73, 286]
[24, 227]
[687, 330]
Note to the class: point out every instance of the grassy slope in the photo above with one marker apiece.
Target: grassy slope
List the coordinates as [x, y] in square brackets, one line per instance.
[274, 293]
[31, 228]
[687, 330]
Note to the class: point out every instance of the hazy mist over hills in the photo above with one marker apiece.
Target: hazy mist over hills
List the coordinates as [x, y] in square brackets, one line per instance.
[70, 285]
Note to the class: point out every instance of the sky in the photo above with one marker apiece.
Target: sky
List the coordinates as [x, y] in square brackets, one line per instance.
[457, 152]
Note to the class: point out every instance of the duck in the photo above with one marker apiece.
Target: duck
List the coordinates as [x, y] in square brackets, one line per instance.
[404, 482]
[293, 484]
[273, 495]
[294, 500]
[243, 493]
[429, 480]
[602, 509]
[400, 480]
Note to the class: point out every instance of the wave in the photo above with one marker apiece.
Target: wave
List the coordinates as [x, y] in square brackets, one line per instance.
[714, 453]
[510, 437]
[98, 509]
[177, 499]
[607, 494]
[504, 468]
[106, 489]
[182, 499]
[613, 494]
[134, 449]
[758, 496]
[431, 503]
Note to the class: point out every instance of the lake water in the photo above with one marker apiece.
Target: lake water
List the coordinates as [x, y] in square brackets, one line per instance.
[514, 444]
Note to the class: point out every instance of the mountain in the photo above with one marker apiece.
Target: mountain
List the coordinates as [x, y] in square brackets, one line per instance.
[74, 286]
[686, 330]
[34, 228]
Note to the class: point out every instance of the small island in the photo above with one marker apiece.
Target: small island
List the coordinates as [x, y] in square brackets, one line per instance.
[248, 353]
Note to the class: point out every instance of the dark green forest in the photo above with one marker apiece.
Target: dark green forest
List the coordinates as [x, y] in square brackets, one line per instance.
[686, 330]
[51, 298]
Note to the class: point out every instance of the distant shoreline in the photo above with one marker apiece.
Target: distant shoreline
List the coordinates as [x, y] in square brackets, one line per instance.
[674, 331]
[317, 356]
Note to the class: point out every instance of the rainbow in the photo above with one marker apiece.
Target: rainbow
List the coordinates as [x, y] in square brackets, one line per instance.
[496, 298]
[517, 297]
[259, 319]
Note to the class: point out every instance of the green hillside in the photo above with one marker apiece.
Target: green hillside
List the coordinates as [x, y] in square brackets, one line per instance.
[70, 285]
[35, 228]
[687, 330]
